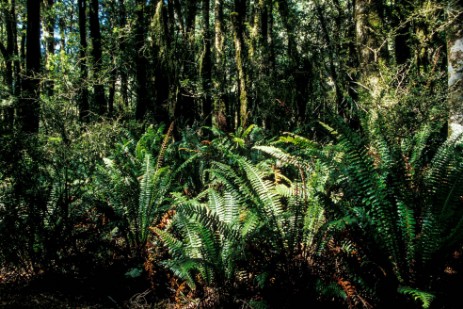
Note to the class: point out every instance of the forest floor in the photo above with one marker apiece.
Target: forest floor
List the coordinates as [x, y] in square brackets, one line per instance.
[60, 291]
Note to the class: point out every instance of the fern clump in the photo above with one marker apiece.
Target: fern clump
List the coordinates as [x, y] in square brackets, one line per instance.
[250, 229]
[398, 202]
[136, 184]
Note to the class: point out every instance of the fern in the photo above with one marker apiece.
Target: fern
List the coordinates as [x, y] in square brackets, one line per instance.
[136, 184]
[270, 202]
[241, 207]
[209, 234]
[425, 298]
[164, 145]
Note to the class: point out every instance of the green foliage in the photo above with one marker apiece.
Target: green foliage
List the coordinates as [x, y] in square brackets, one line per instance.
[250, 226]
[136, 184]
[398, 202]
[46, 201]
[425, 298]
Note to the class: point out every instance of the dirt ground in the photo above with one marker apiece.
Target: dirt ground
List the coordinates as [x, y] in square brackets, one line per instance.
[59, 291]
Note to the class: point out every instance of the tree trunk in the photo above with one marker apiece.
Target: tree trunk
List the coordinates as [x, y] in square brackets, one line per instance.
[219, 119]
[271, 39]
[9, 52]
[113, 47]
[162, 72]
[288, 24]
[206, 65]
[141, 64]
[402, 50]
[83, 79]
[368, 44]
[332, 61]
[368, 18]
[62, 33]
[29, 105]
[122, 50]
[49, 35]
[455, 68]
[97, 59]
[240, 58]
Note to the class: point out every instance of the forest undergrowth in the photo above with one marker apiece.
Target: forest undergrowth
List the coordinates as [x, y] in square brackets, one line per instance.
[157, 217]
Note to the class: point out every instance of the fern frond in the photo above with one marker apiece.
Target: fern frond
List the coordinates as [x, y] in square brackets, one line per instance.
[408, 227]
[164, 146]
[185, 269]
[430, 239]
[313, 220]
[207, 218]
[230, 209]
[297, 140]
[250, 222]
[264, 189]
[283, 156]
[425, 298]
[175, 246]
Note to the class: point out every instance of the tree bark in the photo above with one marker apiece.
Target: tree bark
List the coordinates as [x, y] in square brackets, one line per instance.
[288, 24]
[206, 65]
[9, 53]
[29, 105]
[49, 36]
[402, 50]
[455, 68]
[332, 61]
[219, 118]
[140, 64]
[122, 21]
[240, 58]
[97, 59]
[83, 78]
[162, 72]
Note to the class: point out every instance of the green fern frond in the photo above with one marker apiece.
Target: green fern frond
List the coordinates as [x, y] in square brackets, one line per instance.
[314, 219]
[330, 289]
[408, 227]
[145, 200]
[430, 239]
[420, 144]
[215, 203]
[425, 298]
[250, 222]
[264, 188]
[283, 156]
[230, 209]
[184, 269]
[329, 128]
[366, 184]
[175, 246]
[209, 219]
[235, 184]
[248, 131]
[148, 142]
[297, 140]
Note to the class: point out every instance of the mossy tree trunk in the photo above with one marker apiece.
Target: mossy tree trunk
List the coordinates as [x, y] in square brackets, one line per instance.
[141, 63]
[97, 58]
[122, 46]
[455, 68]
[238, 17]
[219, 118]
[83, 78]
[49, 36]
[206, 65]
